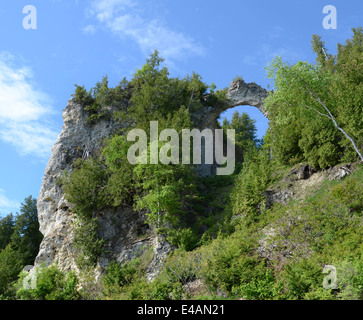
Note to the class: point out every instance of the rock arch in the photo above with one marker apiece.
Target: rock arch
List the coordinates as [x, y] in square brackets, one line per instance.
[239, 93]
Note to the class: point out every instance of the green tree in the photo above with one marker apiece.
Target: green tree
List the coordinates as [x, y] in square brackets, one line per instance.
[52, 284]
[304, 95]
[10, 266]
[6, 230]
[245, 130]
[27, 237]
[347, 89]
[254, 178]
[166, 188]
[323, 58]
[85, 187]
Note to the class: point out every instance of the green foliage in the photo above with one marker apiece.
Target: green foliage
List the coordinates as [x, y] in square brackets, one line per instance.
[312, 104]
[26, 237]
[245, 131]
[87, 241]
[181, 267]
[99, 101]
[228, 262]
[6, 230]
[167, 189]
[323, 58]
[121, 185]
[20, 239]
[183, 238]
[261, 287]
[82, 96]
[85, 187]
[10, 266]
[119, 276]
[155, 94]
[350, 279]
[51, 284]
[254, 178]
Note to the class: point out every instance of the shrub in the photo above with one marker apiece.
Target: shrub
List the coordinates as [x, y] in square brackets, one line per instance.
[182, 238]
[51, 284]
[181, 267]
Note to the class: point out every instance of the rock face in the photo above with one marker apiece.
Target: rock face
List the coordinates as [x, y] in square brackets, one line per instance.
[124, 230]
[239, 93]
[55, 217]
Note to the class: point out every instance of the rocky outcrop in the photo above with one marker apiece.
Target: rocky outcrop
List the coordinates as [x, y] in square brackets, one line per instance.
[239, 93]
[296, 185]
[124, 230]
[125, 233]
[77, 139]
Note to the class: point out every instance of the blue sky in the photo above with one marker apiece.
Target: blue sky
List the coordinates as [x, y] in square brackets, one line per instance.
[79, 41]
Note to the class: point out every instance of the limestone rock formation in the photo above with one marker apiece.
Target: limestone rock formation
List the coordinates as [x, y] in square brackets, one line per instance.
[124, 230]
[239, 93]
[54, 212]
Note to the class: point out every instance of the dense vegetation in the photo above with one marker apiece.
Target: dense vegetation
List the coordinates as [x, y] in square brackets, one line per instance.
[19, 244]
[249, 249]
[166, 192]
[316, 110]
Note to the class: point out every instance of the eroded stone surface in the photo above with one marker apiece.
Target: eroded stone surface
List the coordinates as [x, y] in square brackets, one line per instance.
[124, 230]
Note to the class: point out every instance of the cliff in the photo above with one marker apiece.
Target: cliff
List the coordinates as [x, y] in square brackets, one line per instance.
[125, 233]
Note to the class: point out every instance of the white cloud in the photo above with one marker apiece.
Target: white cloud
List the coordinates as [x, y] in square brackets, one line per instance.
[7, 205]
[125, 18]
[90, 29]
[23, 111]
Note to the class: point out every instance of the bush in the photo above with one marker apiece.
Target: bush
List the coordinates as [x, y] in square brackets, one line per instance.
[84, 187]
[118, 276]
[261, 287]
[87, 241]
[51, 284]
[10, 266]
[181, 267]
[182, 238]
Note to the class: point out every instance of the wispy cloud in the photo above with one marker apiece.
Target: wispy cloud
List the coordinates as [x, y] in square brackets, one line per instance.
[126, 19]
[7, 205]
[24, 111]
[273, 44]
[267, 52]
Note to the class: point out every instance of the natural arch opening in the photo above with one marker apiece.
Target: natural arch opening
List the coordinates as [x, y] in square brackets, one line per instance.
[261, 122]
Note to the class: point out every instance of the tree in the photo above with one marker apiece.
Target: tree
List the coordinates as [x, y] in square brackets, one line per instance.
[10, 266]
[6, 230]
[165, 189]
[347, 89]
[245, 130]
[27, 237]
[322, 57]
[85, 187]
[312, 98]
